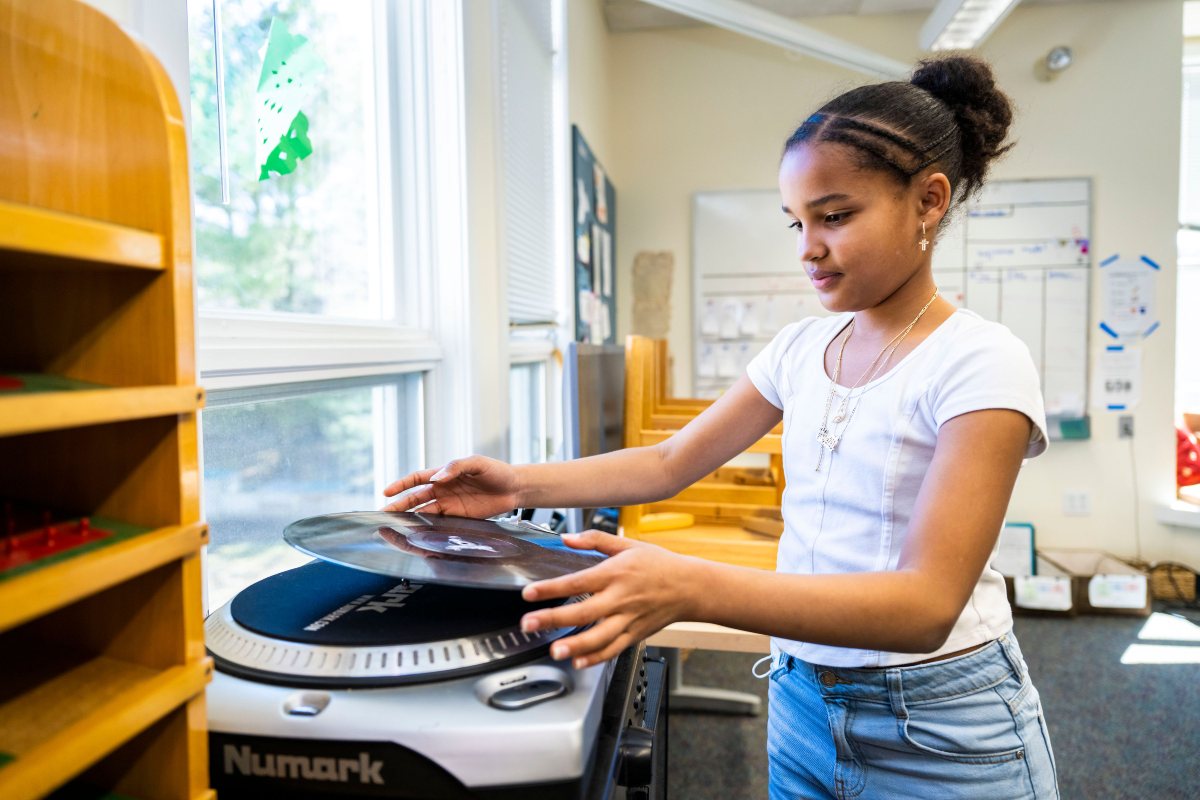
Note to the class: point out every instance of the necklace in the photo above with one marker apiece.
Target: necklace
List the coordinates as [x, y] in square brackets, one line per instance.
[828, 434]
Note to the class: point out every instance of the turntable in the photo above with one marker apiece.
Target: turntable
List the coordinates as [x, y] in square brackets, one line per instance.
[394, 666]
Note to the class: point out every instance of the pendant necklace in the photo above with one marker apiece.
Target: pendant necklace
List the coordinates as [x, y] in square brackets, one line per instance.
[828, 434]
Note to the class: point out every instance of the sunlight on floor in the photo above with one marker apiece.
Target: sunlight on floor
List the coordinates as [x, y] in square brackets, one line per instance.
[1169, 628]
[1160, 654]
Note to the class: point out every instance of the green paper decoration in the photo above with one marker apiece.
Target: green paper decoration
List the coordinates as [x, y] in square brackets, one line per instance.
[293, 147]
[284, 86]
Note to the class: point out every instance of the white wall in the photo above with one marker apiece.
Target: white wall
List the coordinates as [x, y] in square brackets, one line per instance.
[701, 109]
[589, 73]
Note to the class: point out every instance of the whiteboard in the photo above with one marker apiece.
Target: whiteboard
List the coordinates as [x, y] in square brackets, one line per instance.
[1020, 254]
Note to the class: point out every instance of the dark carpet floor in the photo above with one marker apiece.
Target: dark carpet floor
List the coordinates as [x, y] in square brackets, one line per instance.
[1120, 731]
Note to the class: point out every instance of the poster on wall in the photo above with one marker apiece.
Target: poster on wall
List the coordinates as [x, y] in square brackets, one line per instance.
[593, 232]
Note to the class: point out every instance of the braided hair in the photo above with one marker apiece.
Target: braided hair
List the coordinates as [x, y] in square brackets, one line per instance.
[950, 116]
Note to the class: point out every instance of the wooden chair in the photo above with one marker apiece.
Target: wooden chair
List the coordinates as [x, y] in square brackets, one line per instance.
[718, 502]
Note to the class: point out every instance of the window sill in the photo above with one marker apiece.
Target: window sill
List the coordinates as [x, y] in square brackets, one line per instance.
[1179, 514]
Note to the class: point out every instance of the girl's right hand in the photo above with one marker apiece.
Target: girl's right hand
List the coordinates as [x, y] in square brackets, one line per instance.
[475, 486]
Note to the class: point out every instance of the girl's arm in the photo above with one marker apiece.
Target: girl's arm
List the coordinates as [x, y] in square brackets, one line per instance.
[636, 475]
[478, 486]
[959, 512]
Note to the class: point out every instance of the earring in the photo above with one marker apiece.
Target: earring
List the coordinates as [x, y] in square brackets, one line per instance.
[924, 242]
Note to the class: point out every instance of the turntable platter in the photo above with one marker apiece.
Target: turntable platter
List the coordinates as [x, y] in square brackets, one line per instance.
[326, 625]
[457, 551]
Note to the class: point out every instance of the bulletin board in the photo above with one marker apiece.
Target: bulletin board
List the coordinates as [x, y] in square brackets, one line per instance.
[1019, 255]
[593, 223]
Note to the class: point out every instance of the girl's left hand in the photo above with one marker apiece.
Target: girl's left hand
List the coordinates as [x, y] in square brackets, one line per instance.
[639, 590]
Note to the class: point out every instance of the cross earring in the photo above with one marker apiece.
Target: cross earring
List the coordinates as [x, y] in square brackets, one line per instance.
[924, 242]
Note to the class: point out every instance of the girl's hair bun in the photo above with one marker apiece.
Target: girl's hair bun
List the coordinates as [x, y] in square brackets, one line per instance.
[966, 86]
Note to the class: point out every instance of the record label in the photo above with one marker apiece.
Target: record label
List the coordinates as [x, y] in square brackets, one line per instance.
[467, 545]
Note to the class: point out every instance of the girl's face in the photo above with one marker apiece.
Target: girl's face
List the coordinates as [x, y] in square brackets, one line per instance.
[856, 229]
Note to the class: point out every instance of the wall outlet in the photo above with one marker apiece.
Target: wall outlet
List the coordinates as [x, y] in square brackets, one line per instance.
[1077, 502]
[1125, 426]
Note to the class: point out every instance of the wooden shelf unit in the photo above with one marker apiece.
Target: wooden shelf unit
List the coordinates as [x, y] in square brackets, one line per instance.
[103, 679]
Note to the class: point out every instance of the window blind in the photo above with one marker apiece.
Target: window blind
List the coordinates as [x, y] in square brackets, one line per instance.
[526, 62]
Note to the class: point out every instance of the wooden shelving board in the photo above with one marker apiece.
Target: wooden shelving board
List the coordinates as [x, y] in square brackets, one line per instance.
[42, 235]
[72, 713]
[771, 443]
[729, 544]
[32, 594]
[33, 412]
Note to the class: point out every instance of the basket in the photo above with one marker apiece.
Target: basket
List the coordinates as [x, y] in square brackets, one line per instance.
[1172, 582]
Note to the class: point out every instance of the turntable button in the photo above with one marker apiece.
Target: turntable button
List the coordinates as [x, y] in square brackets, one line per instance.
[523, 695]
[305, 704]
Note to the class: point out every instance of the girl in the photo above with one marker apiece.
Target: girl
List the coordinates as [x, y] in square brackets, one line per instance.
[895, 672]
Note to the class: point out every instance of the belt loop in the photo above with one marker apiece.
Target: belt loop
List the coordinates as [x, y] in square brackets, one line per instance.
[895, 684]
[1013, 654]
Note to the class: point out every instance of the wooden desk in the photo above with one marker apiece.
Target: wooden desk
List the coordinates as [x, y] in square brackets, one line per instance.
[706, 636]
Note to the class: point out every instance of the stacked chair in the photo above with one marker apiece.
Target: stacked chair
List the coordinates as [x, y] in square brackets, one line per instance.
[735, 509]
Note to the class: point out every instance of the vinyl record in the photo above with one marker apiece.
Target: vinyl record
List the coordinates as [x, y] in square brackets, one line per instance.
[459, 551]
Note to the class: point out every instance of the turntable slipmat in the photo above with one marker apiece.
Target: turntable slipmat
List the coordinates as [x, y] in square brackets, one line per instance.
[303, 605]
[325, 625]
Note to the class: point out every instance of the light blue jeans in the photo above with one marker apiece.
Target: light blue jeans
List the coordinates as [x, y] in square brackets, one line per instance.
[967, 727]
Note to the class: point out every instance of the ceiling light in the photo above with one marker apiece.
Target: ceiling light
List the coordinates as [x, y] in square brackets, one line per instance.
[962, 24]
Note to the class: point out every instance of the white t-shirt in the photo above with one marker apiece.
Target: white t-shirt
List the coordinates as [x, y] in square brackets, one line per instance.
[854, 514]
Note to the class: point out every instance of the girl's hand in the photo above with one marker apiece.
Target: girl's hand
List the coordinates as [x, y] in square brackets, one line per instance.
[636, 592]
[466, 487]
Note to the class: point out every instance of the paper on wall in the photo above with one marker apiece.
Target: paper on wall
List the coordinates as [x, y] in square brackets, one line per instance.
[750, 317]
[707, 365]
[710, 319]
[727, 366]
[1118, 383]
[601, 184]
[605, 320]
[583, 248]
[606, 270]
[1129, 302]
[731, 318]
[583, 204]
[746, 353]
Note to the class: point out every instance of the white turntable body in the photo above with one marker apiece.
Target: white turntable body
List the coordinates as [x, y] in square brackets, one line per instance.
[348, 679]
[451, 723]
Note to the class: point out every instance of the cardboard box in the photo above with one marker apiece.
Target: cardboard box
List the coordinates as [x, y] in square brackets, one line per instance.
[1101, 583]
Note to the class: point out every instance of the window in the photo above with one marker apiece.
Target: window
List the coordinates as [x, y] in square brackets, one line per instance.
[312, 221]
[275, 455]
[527, 430]
[324, 221]
[1187, 358]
